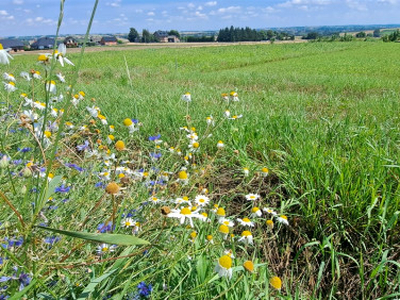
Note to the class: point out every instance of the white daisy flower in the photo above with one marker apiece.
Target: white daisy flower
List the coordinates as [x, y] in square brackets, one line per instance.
[224, 266]
[183, 214]
[226, 222]
[105, 248]
[283, 219]
[186, 97]
[245, 222]
[201, 200]
[246, 237]
[4, 56]
[252, 197]
[128, 222]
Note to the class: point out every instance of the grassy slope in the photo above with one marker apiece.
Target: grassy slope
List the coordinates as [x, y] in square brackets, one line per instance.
[322, 116]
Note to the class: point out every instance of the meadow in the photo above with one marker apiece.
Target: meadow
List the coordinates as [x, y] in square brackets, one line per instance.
[237, 172]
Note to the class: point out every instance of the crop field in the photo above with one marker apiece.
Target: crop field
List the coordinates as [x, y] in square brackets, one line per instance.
[239, 172]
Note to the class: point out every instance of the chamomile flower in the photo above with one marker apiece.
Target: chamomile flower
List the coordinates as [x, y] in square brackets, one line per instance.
[4, 56]
[270, 224]
[220, 145]
[93, 111]
[183, 177]
[226, 222]
[103, 119]
[248, 266]
[235, 117]
[10, 86]
[9, 77]
[36, 75]
[223, 230]
[224, 266]
[194, 145]
[210, 239]
[264, 172]
[220, 212]
[234, 96]
[227, 113]
[283, 219]
[256, 212]
[184, 214]
[155, 200]
[105, 248]
[246, 237]
[269, 211]
[130, 125]
[229, 253]
[61, 77]
[210, 120]
[25, 75]
[60, 53]
[246, 172]
[186, 97]
[252, 197]
[51, 87]
[110, 139]
[119, 145]
[201, 200]
[184, 200]
[245, 222]
[128, 222]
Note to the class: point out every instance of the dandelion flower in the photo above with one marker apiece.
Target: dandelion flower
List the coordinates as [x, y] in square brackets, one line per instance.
[276, 282]
[246, 237]
[252, 197]
[245, 222]
[112, 188]
[248, 266]
[201, 200]
[4, 56]
[224, 266]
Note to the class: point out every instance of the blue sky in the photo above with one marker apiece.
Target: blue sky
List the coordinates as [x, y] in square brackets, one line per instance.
[39, 17]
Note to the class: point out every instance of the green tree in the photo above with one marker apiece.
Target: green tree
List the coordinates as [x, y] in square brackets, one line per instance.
[175, 33]
[361, 34]
[133, 35]
[147, 37]
[376, 33]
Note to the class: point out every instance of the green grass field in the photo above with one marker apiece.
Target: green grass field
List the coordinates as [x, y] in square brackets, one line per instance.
[322, 117]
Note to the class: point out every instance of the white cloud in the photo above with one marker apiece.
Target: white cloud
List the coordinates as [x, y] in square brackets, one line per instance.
[39, 19]
[191, 5]
[116, 3]
[356, 5]
[392, 2]
[3, 13]
[210, 3]
[18, 2]
[303, 3]
[151, 13]
[230, 9]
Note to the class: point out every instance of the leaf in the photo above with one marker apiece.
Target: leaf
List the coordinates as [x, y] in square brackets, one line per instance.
[117, 239]
[93, 284]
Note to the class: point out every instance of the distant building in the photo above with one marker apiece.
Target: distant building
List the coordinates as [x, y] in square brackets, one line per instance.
[43, 43]
[108, 40]
[14, 44]
[164, 37]
[70, 42]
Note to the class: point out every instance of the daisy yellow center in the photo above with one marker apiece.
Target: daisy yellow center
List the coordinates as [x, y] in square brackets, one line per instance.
[246, 233]
[128, 122]
[193, 234]
[82, 93]
[12, 83]
[104, 249]
[127, 223]
[111, 137]
[248, 265]
[255, 209]
[204, 214]
[265, 170]
[223, 229]
[284, 217]
[225, 262]
[47, 133]
[209, 237]
[120, 145]
[186, 211]
[202, 200]
[186, 198]
[196, 145]
[221, 212]
[182, 175]
[246, 220]
[42, 57]
[1, 46]
[270, 223]
[276, 282]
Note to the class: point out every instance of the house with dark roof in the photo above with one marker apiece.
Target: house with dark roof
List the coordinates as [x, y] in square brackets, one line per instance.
[164, 37]
[108, 40]
[14, 44]
[43, 43]
[70, 42]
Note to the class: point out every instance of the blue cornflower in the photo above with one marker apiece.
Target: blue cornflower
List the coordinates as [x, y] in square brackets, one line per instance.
[17, 161]
[24, 150]
[74, 166]
[84, 146]
[144, 289]
[155, 155]
[51, 240]
[104, 228]
[100, 184]
[155, 137]
[62, 189]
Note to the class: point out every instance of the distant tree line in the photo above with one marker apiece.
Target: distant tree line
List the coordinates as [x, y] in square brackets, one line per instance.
[392, 37]
[247, 34]
[147, 36]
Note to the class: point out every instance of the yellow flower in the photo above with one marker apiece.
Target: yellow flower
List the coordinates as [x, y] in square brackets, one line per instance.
[276, 282]
[221, 212]
[182, 175]
[249, 266]
[120, 145]
[224, 266]
[270, 224]
[223, 229]
[112, 188]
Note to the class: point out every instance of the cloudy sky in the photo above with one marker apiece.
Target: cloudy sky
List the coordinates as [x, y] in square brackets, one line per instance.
[39, 17]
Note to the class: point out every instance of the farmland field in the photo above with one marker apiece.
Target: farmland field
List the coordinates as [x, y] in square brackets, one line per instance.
[323, 118]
